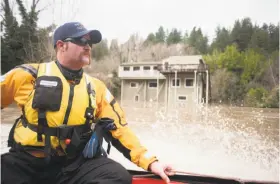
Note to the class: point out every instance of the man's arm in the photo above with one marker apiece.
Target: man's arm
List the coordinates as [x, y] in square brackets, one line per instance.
[123, 138]
[17, 84]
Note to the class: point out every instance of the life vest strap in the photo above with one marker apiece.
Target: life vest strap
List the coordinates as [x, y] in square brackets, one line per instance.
[11, 134]
[61, 132]
[41, 124]
[89, 113]
[30, 69]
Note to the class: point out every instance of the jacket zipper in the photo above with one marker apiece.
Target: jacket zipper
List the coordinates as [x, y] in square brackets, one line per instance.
[69, 106]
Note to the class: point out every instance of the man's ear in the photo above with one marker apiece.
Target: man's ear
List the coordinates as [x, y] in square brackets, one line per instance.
[59, 45]
[65, 46]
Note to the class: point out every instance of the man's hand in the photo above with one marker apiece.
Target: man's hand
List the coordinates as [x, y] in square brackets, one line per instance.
[162, 170]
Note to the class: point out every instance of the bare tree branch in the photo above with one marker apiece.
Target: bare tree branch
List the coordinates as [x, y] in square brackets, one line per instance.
[44, 8]
[3, 18]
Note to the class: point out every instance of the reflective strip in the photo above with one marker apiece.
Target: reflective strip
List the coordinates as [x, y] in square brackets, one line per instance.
[48, 68]
[108, 96]
[30, 69]
[148, 155]
[87, 79]
[2, 78]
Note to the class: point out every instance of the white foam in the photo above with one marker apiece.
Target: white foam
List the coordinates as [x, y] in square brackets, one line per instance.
[216, 146]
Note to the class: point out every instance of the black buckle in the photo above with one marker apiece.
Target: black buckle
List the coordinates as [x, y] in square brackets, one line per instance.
[40, 131]
[41, 123]
[42, 118]
[41, 115]
[64, 132]
[89, 113]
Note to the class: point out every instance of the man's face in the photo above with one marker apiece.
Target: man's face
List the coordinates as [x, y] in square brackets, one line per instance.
[77, 51]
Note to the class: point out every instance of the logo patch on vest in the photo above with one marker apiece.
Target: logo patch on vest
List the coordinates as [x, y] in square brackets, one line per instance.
[48, 83]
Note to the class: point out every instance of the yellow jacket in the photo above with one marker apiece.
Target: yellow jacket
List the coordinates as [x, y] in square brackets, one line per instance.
[17, 85]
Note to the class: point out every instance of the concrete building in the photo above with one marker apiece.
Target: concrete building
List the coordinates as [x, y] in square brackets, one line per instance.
[176, 81]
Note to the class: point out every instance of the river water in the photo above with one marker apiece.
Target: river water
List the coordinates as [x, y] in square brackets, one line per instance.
[223, 141]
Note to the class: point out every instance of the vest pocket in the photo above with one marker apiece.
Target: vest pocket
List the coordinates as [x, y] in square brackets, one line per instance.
[48, 93]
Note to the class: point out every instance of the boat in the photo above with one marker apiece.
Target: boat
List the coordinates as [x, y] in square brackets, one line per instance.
[143, 177]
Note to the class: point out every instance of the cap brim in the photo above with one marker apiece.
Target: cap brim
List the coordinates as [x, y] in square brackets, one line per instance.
[95, 35]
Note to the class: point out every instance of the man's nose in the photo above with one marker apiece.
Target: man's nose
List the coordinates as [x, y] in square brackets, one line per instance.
[87, 47]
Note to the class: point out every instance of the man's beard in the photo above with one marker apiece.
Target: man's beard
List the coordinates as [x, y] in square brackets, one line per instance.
[86, 59]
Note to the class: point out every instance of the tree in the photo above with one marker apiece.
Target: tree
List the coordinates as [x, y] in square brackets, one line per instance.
[255, 97]
[198, 41]
[232, 59]
[28, 30]
[151, 39]
[11, 47]
[225, 90]
[174, 37]
[114, 46]
[272, 99]
[242, 33]
[270, 77]
[222, 39]
[45, 48]
[260, 40]
[253, 66]
[273, 37]
[22, 42]
[160, 35]
[185, 37]
[100, 50]
[212, 60]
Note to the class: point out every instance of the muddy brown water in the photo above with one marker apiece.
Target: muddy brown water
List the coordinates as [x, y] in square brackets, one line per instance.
[238, 142]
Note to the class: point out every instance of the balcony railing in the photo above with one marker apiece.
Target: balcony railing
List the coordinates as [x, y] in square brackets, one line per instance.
[152, 74]
[182, 68]
[159, 70]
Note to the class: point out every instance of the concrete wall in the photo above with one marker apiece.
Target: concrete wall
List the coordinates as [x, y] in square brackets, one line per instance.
[190, 94]
[152, 92]
[129, 92]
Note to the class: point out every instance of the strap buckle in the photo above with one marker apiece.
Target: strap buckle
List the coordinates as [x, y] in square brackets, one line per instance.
[89, 113]
[64, 132]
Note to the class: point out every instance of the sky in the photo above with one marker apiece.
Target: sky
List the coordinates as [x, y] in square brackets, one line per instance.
[118, 19]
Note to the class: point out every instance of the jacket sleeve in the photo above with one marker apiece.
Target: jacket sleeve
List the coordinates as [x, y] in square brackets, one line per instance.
[16, 85]
[123, 138]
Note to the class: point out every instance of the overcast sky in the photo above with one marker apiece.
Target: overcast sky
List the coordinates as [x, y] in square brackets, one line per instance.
[120, 18]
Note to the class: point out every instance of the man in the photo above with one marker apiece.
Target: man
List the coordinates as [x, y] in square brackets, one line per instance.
[59, 105]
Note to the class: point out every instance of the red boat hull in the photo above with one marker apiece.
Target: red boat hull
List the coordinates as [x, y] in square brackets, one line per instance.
[142, 177]
[151, 181]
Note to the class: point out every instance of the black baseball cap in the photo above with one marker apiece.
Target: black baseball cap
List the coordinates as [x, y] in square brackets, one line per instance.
[75, 30]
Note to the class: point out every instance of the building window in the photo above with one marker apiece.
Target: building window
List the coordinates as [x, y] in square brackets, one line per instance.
[136, 68]
[152, 84]
[136, 98]
[147, 68]
[189, 82]
[126, 68]
[182, 98]
[133, 84]
[177, 83]
[155, 67]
